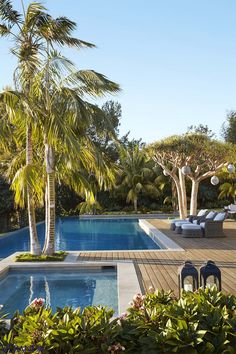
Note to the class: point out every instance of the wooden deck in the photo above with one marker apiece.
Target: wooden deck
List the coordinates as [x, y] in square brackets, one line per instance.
[159, 268]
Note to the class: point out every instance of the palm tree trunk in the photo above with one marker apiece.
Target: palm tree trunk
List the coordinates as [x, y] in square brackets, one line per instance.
[46, 210]
[49, 244]
[194, 194]
[135, 204]
[34, 242]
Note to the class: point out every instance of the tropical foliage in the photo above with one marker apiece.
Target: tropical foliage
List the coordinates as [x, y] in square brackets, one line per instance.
[137, 174]
[50, 106]
[61, 154]
[200, 154]
[228, 190]
[229, 128]
[200, 322]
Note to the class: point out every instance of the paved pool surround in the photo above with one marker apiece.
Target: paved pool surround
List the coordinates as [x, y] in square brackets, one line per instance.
[161, 239]
[127, 281]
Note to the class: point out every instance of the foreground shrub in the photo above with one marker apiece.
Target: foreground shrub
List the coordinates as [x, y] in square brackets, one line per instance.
[200, 322]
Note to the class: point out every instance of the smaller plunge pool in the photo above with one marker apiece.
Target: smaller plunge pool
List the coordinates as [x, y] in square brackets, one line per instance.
[75, 287]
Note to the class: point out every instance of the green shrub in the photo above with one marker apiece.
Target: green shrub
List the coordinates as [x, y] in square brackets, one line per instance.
[56, 257]
[200, 322]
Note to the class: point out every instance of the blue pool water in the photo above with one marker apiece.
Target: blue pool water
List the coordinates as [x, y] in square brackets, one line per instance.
[74, 234]
[59, 288]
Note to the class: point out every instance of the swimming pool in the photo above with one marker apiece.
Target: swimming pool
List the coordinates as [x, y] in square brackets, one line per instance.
[59, 288]
[74, 234]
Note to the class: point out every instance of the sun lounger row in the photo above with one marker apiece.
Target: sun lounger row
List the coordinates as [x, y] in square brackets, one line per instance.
[204, 224]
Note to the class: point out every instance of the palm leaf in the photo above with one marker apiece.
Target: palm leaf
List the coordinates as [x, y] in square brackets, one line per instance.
[7, 13]
[4, 30]
[28, 176]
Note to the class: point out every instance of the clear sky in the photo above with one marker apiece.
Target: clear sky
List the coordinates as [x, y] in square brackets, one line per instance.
[174, 59]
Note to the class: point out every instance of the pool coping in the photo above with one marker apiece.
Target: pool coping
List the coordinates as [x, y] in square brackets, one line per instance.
[159, 237]
[127, 279]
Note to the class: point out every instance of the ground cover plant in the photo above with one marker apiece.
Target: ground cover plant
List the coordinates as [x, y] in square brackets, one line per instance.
[200, 322]
[56, 257]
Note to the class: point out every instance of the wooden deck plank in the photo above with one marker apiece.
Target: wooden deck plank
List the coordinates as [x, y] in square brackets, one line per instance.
[158, 268]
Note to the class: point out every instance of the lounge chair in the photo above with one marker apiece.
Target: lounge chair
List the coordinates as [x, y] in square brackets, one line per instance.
[231, 209]
[190, 218]
[214, 228]
[211, 227]
[195, 229]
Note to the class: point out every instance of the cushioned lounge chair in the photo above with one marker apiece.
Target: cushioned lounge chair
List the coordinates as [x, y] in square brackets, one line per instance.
[231, 209]
[196, 221]
[211, 227]
[190, 218]
[214, 228]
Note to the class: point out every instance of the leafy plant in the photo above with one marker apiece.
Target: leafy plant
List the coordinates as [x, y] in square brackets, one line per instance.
[27, 257]
[201, 322]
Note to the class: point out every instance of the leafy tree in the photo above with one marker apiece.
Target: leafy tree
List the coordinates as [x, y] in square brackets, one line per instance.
[33, 32]
[201, 129]
[228, 190]
[228, 187]
[204, 156]
[136, 174]
[229, 128]
[131, 143]
[104, 130]
[62, 121]
[57, 109]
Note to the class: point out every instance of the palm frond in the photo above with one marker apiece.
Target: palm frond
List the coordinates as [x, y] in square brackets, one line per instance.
[28, 177]
[34, 14]
[4, 30]
[7, 13]
[95, 84]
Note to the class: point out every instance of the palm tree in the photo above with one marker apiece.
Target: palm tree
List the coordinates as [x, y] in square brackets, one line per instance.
[136, 175]
[32, 32]
[228, 189]
[12, 144]
[61, 91]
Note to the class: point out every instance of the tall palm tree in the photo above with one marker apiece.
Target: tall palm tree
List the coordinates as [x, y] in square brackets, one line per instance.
[136, 174]
[32, 33]
[61, 91]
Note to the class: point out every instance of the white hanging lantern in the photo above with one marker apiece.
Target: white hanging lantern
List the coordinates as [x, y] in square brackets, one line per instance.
[214, 180]
[186, 170]
[231, 168]
[165, 173]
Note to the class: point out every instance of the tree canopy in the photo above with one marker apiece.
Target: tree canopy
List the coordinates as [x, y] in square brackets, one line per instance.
[229, 128]
[203, 155]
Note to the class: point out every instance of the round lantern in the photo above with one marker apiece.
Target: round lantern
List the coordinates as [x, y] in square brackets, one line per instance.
[231, 168]
[165, 173]
[186, 170]
[214, 180]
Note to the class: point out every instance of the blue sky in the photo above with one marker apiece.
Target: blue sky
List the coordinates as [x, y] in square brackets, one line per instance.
[175, 60]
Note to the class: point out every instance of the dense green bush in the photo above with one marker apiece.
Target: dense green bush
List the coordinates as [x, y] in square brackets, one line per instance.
[200, 322]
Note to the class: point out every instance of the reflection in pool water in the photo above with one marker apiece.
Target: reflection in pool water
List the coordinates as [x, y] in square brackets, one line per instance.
[74, 234]
[59, 288]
